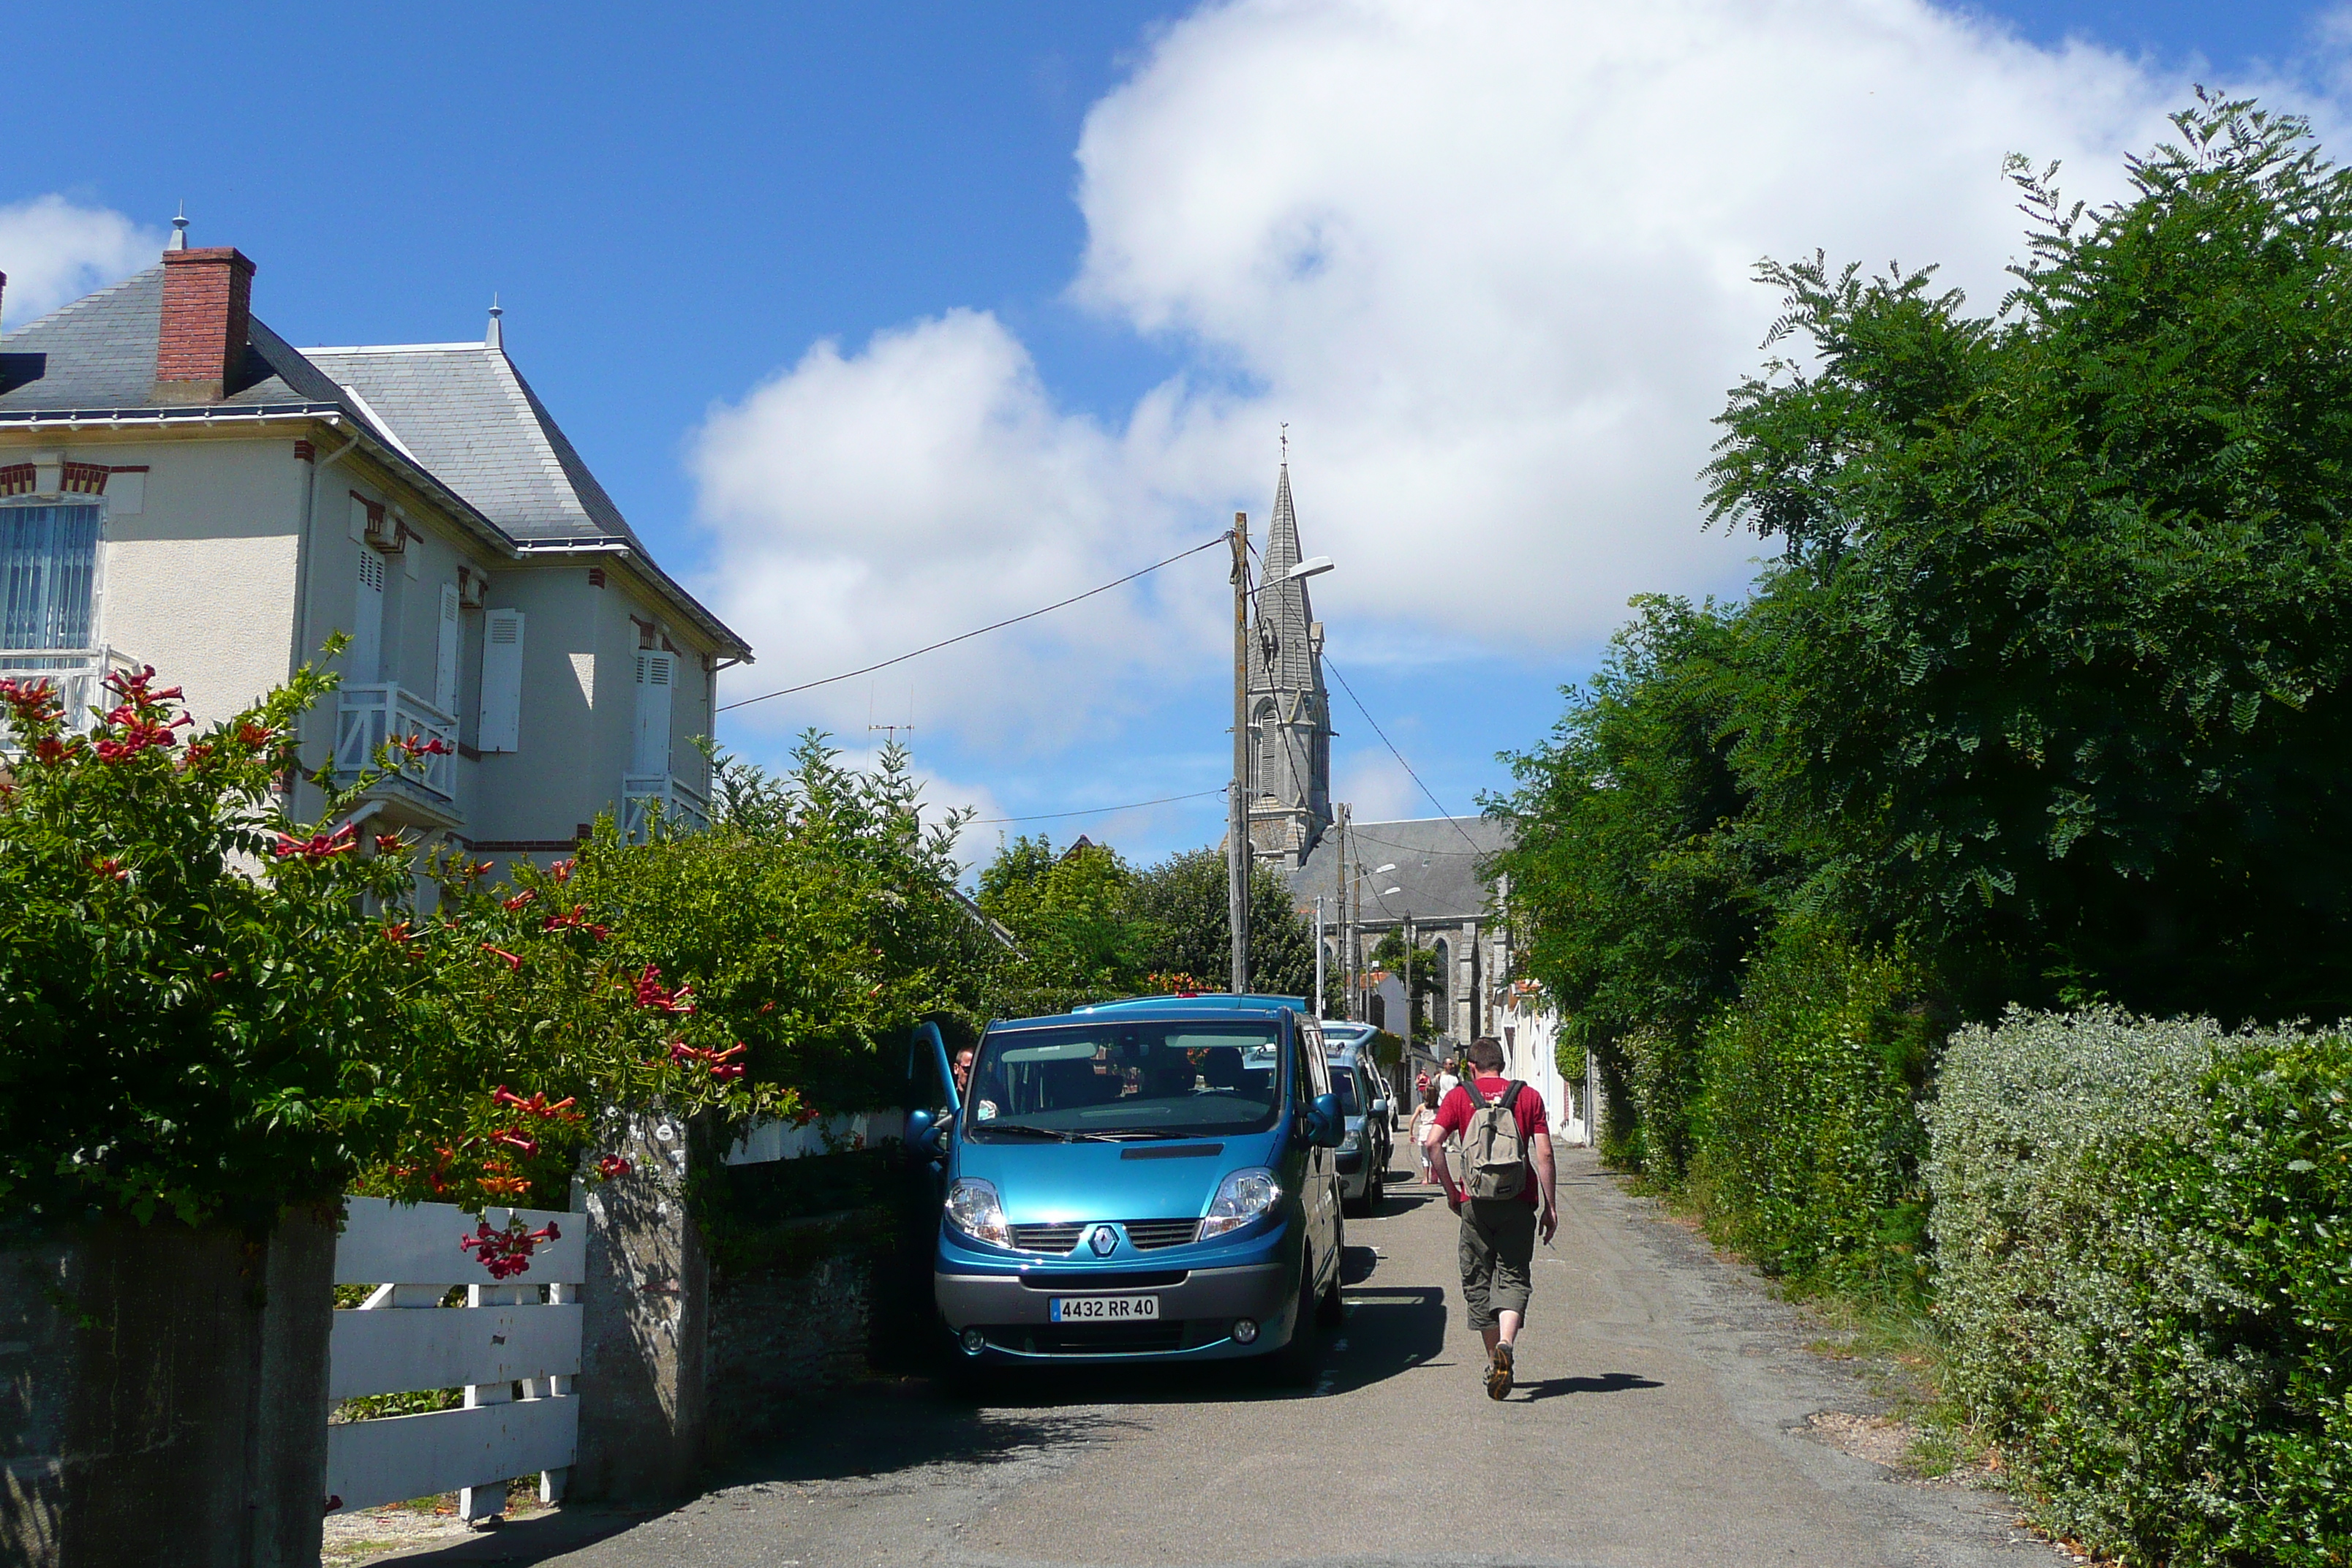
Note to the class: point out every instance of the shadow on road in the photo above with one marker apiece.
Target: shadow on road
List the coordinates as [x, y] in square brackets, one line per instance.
[1607, 1383]
[1389, 1330]
[1396, 1203]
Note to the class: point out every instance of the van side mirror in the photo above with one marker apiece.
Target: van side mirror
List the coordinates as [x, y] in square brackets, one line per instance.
[1326, 1126]
[1380, 1108]
[926, 1135]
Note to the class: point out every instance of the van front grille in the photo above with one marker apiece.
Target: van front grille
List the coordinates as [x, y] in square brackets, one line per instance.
[1145, 1234]
[1055, 1238]
[1088, 1338]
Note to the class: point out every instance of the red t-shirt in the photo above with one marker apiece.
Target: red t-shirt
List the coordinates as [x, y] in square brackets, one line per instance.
[1453, 1117]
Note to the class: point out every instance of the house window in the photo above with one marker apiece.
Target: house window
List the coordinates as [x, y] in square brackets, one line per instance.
[48, 571]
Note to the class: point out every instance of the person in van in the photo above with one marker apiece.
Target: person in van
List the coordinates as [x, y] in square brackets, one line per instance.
[1508, 1196]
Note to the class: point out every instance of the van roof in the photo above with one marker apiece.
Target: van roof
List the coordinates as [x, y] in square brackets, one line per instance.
[1203, 1001]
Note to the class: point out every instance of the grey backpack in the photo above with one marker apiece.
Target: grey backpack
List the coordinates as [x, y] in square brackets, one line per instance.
[1491, 1145]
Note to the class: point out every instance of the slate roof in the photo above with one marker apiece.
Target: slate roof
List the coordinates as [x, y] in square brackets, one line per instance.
[461, 413]
[99, 354]
[1283, 607]
[1436, 873]
[465, 412]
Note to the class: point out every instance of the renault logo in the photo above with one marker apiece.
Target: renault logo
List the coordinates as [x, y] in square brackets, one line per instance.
[1105, 1242]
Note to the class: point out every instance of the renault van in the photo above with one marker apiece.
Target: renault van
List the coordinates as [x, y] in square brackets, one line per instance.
[1144, 1180]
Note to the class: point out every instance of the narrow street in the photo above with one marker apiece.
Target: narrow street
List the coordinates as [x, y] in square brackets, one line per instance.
[1660, 1419]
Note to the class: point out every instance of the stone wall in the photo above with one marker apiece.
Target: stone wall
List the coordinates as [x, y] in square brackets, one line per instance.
[164, 1395]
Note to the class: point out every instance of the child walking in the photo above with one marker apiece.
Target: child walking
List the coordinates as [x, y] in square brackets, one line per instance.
[1423, 1115]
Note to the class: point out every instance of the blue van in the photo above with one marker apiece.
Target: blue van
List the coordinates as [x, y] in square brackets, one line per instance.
[1144, 1180]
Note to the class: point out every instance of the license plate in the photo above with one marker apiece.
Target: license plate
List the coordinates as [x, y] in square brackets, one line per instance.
[1103, 1308]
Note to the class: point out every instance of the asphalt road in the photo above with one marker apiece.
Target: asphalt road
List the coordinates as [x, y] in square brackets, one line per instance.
[1661, 1418]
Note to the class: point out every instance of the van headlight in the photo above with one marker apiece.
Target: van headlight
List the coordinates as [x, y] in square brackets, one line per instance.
[974, 1209]
[1243, 1196]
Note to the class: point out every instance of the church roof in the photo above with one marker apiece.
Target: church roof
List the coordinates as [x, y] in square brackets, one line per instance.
[1284, 607]
[1438, 861]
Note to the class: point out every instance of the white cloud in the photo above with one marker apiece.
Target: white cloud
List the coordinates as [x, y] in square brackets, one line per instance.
[53, 250]
[1492, 263]
[1376, 788]
[869, 503]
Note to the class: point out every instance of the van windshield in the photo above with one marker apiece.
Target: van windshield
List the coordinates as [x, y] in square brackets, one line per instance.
[1343, 1084]
[1186, 1079]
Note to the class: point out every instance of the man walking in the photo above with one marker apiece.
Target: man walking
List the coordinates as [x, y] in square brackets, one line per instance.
[1507, 1194]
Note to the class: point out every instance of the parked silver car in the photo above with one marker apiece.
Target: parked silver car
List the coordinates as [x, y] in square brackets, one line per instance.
[1363, 1093]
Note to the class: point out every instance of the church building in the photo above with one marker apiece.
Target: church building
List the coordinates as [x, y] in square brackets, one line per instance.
[1289, 795]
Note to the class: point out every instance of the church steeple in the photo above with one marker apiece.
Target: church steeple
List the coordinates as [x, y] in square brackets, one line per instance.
[1290, 756]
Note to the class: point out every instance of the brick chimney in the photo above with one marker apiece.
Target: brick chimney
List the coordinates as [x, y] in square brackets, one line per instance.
[207, 308]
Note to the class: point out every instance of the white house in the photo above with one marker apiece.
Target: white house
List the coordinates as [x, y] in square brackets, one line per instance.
[180, 487]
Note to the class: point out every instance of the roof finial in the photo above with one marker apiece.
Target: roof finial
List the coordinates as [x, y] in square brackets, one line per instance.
[179, 240]
[496, 337]
[1286, 443]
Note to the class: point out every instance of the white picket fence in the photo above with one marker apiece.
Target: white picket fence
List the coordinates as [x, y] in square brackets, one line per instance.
[524, 1332]
[782, 1141]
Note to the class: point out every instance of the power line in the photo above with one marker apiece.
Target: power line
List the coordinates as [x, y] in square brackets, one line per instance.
[978, 631]
[1399, 756]
[1098, 810]
[1356, 832]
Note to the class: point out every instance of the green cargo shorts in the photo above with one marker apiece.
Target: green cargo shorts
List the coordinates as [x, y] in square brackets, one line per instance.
[1498, 1249]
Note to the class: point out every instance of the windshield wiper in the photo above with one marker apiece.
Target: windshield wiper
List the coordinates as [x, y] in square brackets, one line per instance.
[1057, 1133]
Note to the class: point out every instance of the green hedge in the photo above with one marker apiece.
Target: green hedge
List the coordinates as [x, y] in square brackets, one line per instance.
[2146, 1265]
[1807, 1138]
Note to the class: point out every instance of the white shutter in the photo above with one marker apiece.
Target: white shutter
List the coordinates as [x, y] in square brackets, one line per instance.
[445, 652]
[367, 620]
[501, 717]
[657, 677]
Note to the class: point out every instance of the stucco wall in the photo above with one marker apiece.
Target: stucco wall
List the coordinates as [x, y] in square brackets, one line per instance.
[199, 581]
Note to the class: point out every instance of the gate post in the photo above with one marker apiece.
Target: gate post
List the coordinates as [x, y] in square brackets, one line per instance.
[645, 1322]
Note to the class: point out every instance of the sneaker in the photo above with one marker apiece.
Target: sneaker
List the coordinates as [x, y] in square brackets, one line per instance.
[1498, 1376]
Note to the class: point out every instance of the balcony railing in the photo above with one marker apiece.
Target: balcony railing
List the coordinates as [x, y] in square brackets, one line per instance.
[77, 674]
[683, 810]
[368, 716]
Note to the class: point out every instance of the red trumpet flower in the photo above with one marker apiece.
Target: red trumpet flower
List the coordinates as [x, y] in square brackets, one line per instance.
[612, 1165]
[519, 900]
[318, 846]
[513, 962]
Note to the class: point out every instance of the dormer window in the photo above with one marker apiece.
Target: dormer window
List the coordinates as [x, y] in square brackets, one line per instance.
[48, 575]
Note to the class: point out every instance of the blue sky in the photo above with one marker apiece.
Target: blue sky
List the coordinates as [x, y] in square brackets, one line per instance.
[678, 206]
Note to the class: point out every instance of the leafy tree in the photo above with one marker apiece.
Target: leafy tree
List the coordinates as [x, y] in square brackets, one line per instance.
[1068, 911]
[1636, 898]
[2050, 678]
[1181, 913]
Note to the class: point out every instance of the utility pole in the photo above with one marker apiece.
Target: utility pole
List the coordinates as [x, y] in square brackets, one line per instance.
[1237, 854]
[1319, 955]
[1412, 1004]
[1356, 931]
[1339, 918]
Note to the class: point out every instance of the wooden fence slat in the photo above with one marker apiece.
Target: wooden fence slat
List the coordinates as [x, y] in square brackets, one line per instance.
[416, 1244]
[393, 1350]
[370, 1463]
